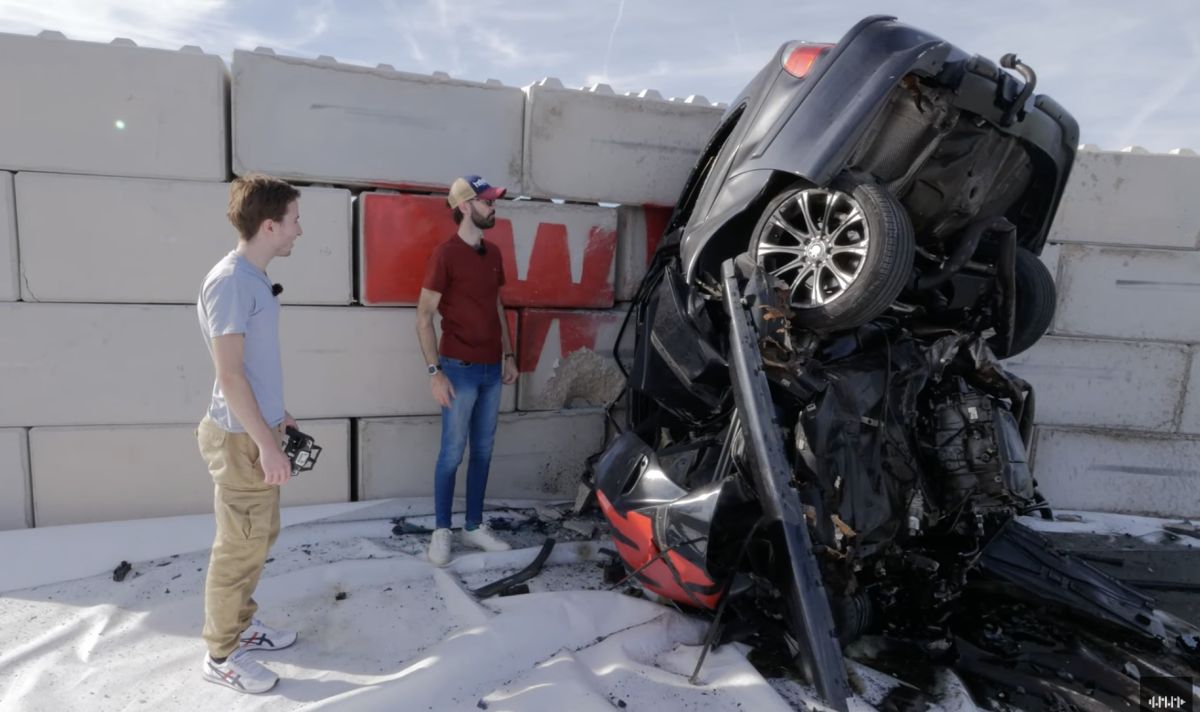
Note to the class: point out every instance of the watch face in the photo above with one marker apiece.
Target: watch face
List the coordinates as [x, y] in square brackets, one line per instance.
[433, 370]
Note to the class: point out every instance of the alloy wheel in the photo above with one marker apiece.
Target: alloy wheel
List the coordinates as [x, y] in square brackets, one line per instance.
[817, 243]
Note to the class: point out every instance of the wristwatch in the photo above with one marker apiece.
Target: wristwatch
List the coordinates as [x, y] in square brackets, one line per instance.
[434, 369]
[509, 355]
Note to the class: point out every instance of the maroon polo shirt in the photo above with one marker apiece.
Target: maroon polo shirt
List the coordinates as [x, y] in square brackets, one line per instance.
[470, 285]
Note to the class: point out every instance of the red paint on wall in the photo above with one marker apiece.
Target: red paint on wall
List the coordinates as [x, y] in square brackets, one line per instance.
[576, 330]
[399, 232]
[656, 224]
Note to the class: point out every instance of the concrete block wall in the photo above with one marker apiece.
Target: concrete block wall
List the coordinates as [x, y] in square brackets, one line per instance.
[1118, 385]
[320, 120]
[536, 455]
[152, 241]
[582, 144]
[16, 505]
[115, 109]
[108, 221]
[10, 288]
[158, 466]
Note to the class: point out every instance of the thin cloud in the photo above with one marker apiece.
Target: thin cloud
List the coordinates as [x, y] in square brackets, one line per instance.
[612, 35]
[161, 23]
[1166, 94]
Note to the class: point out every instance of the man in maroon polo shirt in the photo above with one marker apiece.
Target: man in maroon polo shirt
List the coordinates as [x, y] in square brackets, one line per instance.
[462, 283]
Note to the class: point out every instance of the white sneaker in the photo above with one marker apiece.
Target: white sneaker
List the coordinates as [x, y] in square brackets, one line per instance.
[439, 547]
[260, 636]
[483, 538]
[240, 673]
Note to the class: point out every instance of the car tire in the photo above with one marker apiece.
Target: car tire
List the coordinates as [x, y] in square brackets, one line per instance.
[1036, 298]
[843, 267]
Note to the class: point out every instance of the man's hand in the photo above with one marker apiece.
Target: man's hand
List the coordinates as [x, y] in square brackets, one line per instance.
[510, 372]
[276, 468]
[442, 389]
[289, 421]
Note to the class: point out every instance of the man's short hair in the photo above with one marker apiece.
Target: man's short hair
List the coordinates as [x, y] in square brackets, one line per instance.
[255, 198]
[457, 214]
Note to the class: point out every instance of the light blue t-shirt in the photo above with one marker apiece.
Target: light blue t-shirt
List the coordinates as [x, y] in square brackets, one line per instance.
[236, 299]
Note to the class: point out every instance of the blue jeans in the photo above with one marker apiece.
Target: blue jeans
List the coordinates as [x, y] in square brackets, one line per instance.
[471, 417]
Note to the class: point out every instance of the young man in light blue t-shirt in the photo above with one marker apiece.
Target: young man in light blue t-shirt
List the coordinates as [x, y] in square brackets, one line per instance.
[240, 437]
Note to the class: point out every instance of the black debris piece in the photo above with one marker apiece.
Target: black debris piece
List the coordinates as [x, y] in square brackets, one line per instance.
[521, 576]
[122, 571]
[403, 526]
[341, 596]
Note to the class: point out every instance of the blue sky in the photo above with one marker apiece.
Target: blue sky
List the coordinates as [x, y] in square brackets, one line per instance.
[1130, 72]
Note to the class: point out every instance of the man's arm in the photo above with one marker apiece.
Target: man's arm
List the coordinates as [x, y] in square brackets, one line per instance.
[231, 377]
[508, 363]
[439, 385]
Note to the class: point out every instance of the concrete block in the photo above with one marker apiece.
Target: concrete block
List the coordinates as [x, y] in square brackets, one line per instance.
[1130, 198]
[98, 474]
[354, 362]
[554, 255]
[565, 358]
[640, 228]
[108, 224]
[16, 507]
[1089, 382]
[1190, 419]
[78, 364]
[536, 455]
[1129, 294]
[10, 285]
[1052, 257]
[320, 121]
[591, 146]
[93, 364]
[1116, 471]
[110, 109]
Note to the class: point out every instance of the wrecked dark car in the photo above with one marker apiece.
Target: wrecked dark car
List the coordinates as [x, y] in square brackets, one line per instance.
[819, 441]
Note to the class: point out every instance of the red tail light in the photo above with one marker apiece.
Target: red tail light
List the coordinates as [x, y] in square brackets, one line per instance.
[798, 57]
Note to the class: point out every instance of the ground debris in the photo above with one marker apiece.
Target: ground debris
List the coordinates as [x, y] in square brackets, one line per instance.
[122, 571]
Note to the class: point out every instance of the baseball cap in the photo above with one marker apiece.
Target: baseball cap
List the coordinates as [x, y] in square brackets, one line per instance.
[468, 187]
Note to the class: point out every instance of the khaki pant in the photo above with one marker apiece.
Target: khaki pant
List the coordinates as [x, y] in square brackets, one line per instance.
[247, 513]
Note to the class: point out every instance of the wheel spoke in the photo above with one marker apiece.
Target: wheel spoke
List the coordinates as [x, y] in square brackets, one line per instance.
[851, 249]
[853, 218]
[818, 297]
[790, 229]
[768, 248]
[798, 285]
[789, 266]
[802, 200]
[843, 279]
[830, 201]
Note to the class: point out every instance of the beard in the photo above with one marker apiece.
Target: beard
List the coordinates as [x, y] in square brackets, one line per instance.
[483, 223]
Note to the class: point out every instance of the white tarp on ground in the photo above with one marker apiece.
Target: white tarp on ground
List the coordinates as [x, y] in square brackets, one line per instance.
[405, 636]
